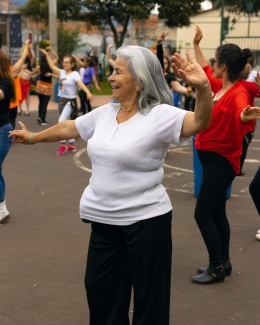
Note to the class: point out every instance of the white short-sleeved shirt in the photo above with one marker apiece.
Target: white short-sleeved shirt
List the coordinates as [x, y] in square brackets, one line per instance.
[127, 158]
[68, 84]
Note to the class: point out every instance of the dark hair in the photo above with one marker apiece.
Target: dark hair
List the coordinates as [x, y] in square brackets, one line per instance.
[44, 66]
[89, 60]
[169, 64]
[5, 71]
[28, 62]
[72, 61]
[234, 58]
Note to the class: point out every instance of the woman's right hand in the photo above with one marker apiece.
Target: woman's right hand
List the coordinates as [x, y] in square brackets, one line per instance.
[21, 136]
[90, 97]
[198, 36]
[161, 38]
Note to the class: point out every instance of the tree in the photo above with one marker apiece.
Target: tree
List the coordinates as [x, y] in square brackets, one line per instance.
[241, 7]
[114, 13]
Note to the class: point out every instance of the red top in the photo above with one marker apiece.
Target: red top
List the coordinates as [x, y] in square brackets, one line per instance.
[225, 133]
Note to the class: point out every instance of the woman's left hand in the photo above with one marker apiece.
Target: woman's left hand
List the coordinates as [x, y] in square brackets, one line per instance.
[21, 136]
[189, 70]
[250, 113]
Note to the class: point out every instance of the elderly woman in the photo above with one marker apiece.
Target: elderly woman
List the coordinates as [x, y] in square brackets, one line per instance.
[129, 209]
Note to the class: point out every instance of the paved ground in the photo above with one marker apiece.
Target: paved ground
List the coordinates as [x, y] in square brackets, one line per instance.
[43, 247]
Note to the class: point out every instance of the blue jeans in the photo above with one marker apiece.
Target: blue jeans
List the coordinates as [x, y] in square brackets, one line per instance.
[5, 144]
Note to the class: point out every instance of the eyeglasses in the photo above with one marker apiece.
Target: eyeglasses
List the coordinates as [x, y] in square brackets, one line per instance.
[212, 61]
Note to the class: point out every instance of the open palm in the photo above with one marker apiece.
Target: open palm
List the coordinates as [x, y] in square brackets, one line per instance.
[189, 70]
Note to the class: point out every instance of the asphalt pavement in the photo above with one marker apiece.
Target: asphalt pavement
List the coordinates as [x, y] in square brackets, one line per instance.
[43, 247]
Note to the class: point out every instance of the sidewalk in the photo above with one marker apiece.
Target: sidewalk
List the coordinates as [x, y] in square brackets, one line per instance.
[98, 100]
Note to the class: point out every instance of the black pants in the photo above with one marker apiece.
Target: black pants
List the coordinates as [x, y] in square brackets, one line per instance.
[210, 211]
[254, 189]
[84, 101]
[42, 108]
[122, 257]
[12, 116]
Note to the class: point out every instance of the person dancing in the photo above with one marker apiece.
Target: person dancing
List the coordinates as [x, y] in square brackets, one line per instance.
[7, 93]
[69, 81]
[219, 150]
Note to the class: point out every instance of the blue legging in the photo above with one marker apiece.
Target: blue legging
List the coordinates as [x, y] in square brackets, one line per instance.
[254, 189]
[5, 144]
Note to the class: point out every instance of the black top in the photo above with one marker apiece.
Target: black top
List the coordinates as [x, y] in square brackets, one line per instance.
[6, 87]
[44, 78]
[169, 77]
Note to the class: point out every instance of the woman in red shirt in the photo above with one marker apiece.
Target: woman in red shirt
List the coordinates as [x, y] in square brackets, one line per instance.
[219, 149]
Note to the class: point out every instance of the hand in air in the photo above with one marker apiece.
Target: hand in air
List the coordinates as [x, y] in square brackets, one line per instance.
[198, 36]
[21, 136]
[189, 70]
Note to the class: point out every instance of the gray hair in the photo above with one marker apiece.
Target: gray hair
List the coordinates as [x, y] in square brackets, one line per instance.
[147, 71]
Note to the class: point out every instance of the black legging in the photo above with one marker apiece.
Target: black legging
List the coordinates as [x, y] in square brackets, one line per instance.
[210, 211]
[254, 189]
[42, 108]
[12, 116]
[84, 101]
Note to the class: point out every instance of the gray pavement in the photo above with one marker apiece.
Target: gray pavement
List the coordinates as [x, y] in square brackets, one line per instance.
[43, 247]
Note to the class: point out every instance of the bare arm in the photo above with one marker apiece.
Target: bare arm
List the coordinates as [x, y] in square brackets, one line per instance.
[84, 88]
[18, 65]
[176, 86]
[109, 56]
[62, 131]
[50, 62]
[35, 71]
[198, 53]
[192, 73]
[95, 82]
[79, 62]
[2, 95]
[56, 57]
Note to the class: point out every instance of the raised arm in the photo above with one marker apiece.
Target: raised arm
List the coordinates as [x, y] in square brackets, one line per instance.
[62, 131]
[159, 47]
[192, 73]
[34, 71]
[53, 67]
[79, 62]
[109, 55]
[55, 55]
[18, 65]
[196, 44]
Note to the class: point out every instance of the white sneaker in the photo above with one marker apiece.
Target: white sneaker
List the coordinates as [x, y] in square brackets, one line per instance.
[257, 236]
[4, 213]
[258, 231]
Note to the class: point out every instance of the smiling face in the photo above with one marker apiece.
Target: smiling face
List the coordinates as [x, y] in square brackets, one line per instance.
[124, 86]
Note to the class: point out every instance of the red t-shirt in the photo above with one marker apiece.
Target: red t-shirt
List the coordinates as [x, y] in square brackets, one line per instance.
[225, 133]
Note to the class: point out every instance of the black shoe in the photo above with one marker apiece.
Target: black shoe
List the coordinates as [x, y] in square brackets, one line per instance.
[211, 275]
[226, 265]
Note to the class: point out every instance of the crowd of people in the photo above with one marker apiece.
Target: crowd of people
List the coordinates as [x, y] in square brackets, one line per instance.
[126, 204]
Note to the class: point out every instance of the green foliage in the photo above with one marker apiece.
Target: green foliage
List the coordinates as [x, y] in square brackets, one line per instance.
[178, 13]
[44, 43]
[242, 7]
[105, 88]
[113, 13]
[36, 10]
[68, 40]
